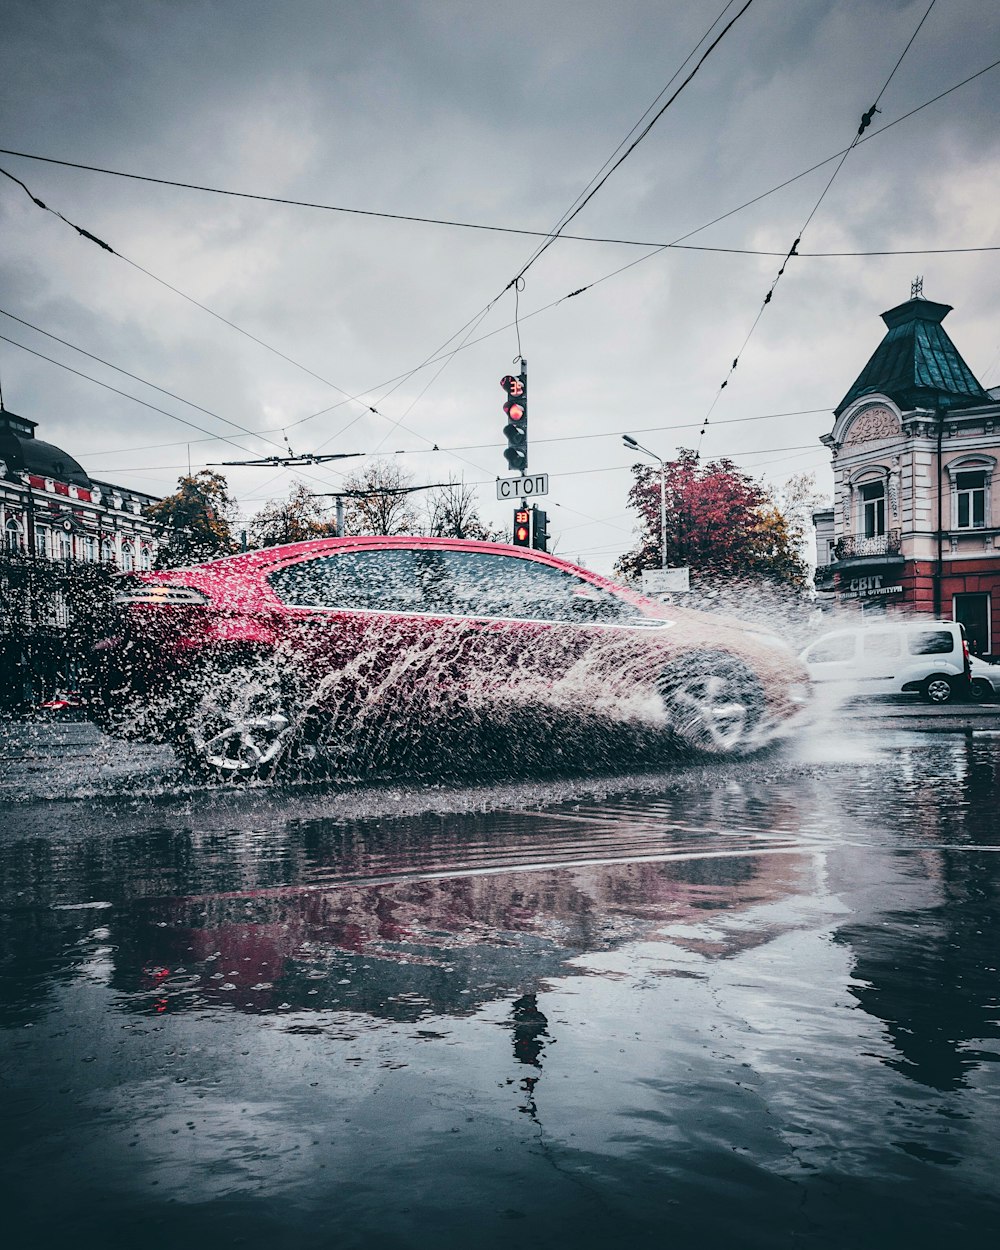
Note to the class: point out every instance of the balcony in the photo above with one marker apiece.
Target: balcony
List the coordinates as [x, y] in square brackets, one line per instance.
[851, 547]
[882, 550]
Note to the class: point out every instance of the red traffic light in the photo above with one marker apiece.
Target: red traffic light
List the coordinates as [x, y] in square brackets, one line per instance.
[522, 527]
[514, 411]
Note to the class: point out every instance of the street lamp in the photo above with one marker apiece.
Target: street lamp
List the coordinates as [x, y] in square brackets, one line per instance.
[629, 441]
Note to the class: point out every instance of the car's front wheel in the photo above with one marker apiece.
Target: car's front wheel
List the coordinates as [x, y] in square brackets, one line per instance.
[980, 690]
[714, 702]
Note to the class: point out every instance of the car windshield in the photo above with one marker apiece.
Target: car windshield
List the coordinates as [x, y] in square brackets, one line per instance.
[448, 582]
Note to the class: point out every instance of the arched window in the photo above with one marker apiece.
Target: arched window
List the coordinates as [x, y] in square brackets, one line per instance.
[13, 536]
[145, 557]
[107, 550]
[128, 557]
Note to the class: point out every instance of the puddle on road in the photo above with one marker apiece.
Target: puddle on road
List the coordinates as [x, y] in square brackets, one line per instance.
[705, 1000]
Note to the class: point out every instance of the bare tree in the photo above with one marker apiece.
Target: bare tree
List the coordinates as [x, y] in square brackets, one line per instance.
[377, 503]
[452, 513]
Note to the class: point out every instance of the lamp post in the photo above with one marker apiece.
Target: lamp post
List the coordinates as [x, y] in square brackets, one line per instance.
[629, 441]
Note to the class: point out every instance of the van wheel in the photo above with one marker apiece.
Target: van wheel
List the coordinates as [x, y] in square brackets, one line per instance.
[980, 690]
[938, 688]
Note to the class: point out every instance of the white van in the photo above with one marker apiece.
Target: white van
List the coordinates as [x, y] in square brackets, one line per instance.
[926, 657]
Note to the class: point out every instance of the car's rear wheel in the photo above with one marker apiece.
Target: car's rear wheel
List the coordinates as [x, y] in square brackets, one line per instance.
[980, 690]
[241, 724]
[938, 688]
[714, 702]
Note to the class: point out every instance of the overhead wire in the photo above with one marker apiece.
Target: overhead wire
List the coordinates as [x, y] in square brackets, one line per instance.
[606, 168]
[656, 249]
[144, 381]
[866, 120]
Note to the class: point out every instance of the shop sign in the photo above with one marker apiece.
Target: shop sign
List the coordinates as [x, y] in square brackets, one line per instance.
[868, 588]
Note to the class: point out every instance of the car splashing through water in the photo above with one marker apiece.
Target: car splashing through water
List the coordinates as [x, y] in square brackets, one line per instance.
[427, 655]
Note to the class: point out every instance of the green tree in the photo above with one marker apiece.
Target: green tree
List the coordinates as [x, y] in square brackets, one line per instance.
[194, 520]
[294, 519]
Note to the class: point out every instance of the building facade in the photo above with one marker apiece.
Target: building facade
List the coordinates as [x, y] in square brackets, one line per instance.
[64, 536]
[916, 518]
[50, 507]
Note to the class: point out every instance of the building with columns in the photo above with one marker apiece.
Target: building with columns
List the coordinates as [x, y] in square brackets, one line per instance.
[915, 446]
[50, 507]
[64, 535]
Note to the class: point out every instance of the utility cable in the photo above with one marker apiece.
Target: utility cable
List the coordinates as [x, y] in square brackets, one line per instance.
[563, 221]
[173, 416]
[93, 238]
[656, 249]
[632, 146]
[136, 378]
[465, 225]
[866, 119]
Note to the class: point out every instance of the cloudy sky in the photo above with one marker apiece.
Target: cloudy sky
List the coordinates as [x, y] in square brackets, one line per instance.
[500, 115]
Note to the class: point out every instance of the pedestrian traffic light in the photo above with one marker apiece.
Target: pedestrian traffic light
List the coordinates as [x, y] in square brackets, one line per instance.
[522, 527]
[539, 530]
[516, 429]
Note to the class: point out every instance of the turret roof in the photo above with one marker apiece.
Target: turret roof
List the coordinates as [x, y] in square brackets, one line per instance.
[917, 365]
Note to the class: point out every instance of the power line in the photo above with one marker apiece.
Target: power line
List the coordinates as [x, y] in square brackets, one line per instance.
[632, 146]
[468, 225]
[760, 451]
[866, 120]
[135, 399]
[136, 378]
[563, 221]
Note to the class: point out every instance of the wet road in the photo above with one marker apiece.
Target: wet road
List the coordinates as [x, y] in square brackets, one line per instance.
[756, 1004]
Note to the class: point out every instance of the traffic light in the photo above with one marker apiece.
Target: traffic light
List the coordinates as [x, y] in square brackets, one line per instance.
[516, 429]
[522, 527]
[539, 530]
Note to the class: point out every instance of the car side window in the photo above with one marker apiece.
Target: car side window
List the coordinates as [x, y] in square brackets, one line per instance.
[381, 581]
[881, 644]
[831, 650]
[931, 642]
[484, 584]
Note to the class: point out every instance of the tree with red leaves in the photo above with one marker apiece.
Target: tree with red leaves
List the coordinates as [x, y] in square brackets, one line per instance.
[720, 523]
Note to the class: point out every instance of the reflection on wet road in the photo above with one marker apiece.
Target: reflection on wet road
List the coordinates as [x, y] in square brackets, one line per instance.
[750, 1005]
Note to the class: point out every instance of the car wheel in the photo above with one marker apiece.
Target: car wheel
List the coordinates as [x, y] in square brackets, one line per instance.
[241, 725]
[980, 690]
[713, 703]
[938, 689]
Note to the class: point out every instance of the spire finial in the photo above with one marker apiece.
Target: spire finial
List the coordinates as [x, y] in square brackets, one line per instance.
[917, 287]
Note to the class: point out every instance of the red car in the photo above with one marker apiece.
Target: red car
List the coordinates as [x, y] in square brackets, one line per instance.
[366, 652]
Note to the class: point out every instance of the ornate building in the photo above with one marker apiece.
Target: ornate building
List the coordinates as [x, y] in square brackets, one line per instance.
[64, 536]
[49, 506]
[915, 447]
